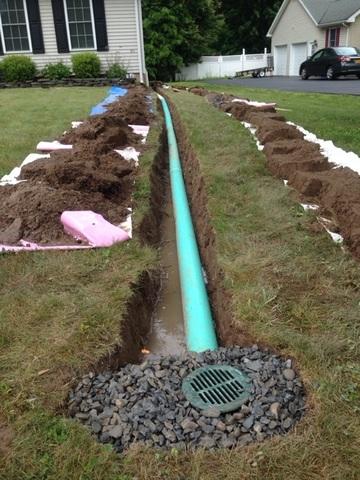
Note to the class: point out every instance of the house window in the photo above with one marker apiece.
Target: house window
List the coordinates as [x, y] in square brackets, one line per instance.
[333, 37]
[14, 26]
[80, 24]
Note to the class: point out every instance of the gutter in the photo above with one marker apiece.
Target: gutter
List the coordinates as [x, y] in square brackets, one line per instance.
[334, 24]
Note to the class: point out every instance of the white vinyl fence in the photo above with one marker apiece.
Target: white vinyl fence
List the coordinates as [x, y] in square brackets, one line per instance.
[224, 66]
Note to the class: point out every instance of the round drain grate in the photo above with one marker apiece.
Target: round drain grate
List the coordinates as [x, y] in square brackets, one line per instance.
[219, 386]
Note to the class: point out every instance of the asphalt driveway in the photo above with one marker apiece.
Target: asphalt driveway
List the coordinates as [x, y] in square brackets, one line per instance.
[343, 85]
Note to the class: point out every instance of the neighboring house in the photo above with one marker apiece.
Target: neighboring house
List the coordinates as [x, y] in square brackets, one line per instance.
[303, 26]
[50, 31]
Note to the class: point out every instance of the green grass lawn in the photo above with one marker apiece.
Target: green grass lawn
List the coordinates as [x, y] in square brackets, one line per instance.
[331, 117]
[291, 288]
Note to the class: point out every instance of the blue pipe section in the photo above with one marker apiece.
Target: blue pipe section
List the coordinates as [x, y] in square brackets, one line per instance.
[113, 94]
[199, 325]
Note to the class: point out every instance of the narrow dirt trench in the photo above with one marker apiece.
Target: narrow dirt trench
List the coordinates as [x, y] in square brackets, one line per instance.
[167, 335]
[138, 398]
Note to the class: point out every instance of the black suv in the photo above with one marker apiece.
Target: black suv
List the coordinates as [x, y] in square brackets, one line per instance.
[332, 62]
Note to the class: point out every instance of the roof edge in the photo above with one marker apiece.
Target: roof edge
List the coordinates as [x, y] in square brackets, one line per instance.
[277, 18]
[308, 12]
[354, 16]
[331, 24]
[280, 13]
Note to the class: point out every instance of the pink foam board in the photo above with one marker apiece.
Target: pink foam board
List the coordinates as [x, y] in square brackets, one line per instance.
[92, 228]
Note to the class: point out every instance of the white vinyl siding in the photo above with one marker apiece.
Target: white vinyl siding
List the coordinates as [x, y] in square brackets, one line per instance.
[121, 30]
[354, 33]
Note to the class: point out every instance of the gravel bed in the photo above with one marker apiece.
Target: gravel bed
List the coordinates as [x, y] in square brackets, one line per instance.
[144, 403]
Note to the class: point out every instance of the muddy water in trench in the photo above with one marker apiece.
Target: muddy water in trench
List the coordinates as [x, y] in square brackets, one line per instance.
[167, 336]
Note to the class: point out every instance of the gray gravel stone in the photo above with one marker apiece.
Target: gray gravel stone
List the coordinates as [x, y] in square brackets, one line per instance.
[274, 409]
[211, 412]
[145, 404]
[287, 423]
[248, 422]
[289, 374]
[116, 432]
[188, 425]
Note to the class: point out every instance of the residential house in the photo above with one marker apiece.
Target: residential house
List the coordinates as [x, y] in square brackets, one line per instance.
[301, 27]
[50, 31]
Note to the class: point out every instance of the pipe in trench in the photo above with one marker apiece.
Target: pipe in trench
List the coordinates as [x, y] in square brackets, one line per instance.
[199, 325]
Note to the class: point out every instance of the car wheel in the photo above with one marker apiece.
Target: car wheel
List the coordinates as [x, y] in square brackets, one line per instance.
[330, 74]
[304, 74]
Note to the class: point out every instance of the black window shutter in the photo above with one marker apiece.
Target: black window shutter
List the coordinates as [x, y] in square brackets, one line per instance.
[1, 48]
[36, 33]
[100, 25]
[60, 26]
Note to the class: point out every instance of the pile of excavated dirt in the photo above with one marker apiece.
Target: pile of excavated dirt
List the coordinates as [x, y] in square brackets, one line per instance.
[112, 128]
[91, 176]
[137, 110]
[145, 403]
[81, 170]
[106, 130]
[338, 193]
[32, 211]
[290, 156]
[202, 92]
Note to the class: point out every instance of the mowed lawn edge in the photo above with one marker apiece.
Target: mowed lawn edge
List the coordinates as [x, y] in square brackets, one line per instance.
[60, 313]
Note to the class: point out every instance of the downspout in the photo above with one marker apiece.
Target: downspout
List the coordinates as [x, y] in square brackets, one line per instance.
[141, 50]
[199, 325]
[347, 33]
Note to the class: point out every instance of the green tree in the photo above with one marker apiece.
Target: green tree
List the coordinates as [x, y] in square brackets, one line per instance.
[246, 23]
[177, 33]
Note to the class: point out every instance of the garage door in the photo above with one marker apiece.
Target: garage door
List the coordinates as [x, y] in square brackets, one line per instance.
[298, 54]
[280, 58]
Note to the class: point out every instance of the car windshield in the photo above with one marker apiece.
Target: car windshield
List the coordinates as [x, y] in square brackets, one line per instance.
[347, 51]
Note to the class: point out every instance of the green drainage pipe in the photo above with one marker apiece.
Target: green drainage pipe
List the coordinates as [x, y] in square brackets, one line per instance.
[199, 326]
